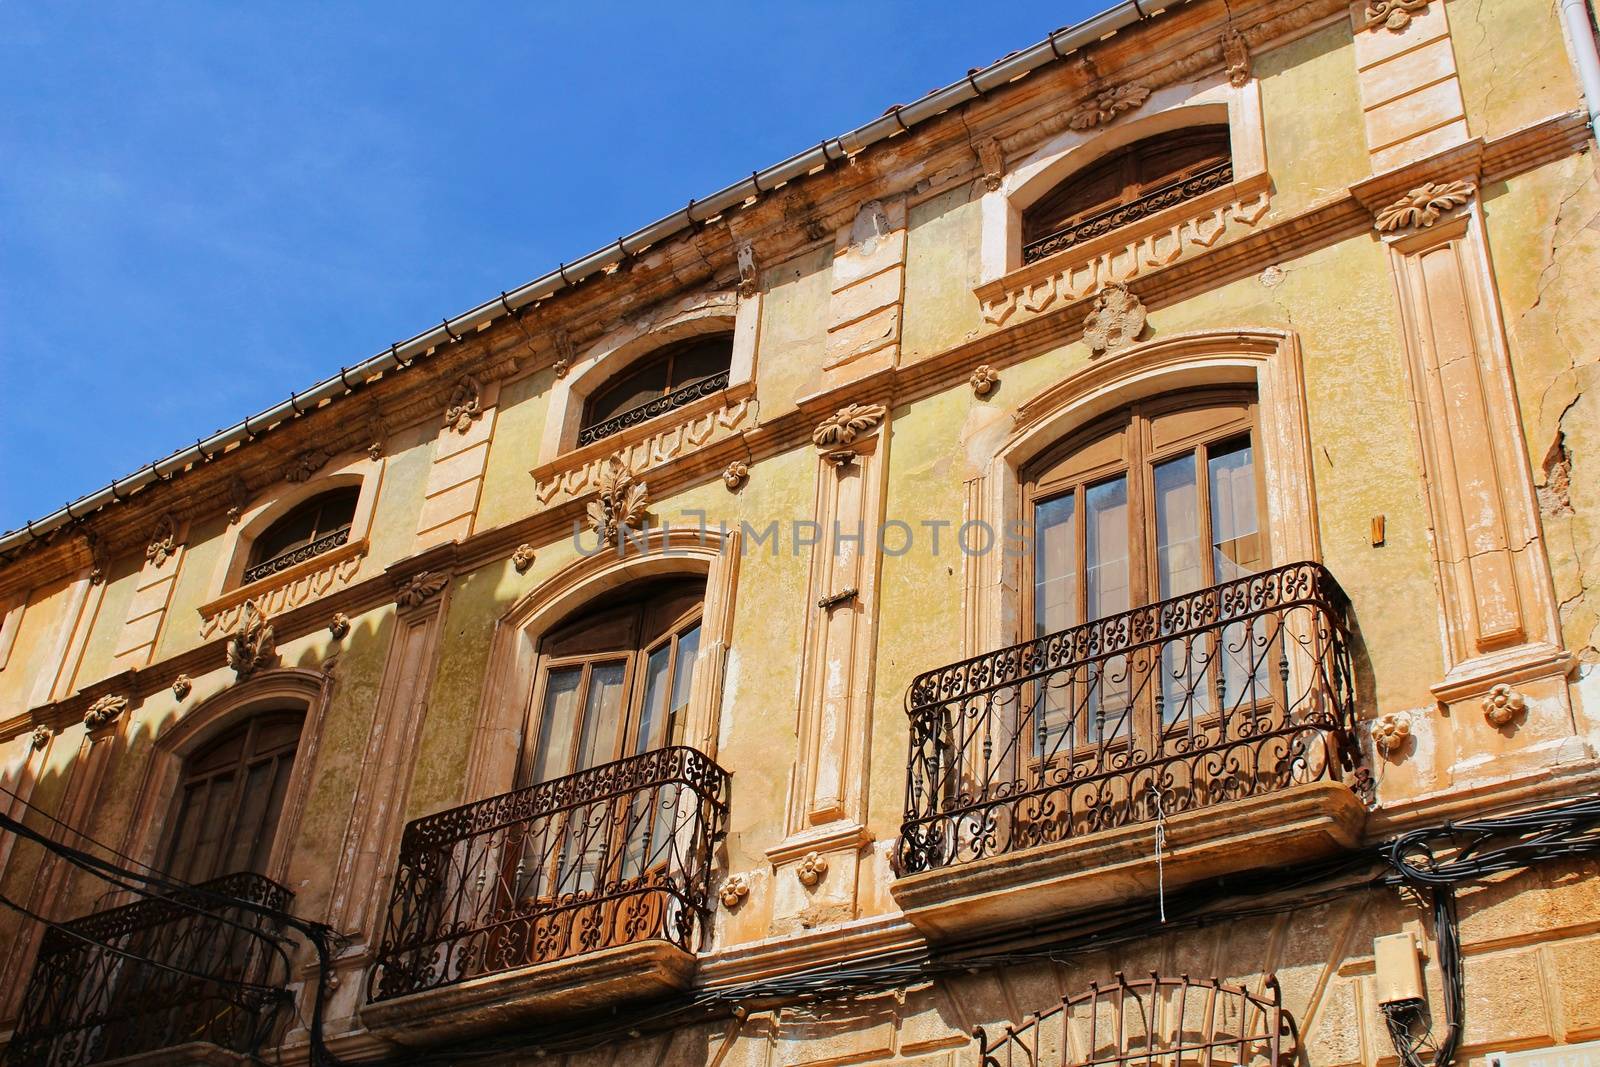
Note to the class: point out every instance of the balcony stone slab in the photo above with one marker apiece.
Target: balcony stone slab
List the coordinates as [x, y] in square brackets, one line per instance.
[576, 985]
[1295, 825]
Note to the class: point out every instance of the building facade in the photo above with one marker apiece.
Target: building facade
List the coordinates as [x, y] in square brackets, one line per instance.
[995, 588]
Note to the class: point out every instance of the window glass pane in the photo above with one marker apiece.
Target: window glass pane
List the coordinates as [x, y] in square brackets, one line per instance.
[654, 710]
[1055, 565]
[682, 682]
[1179, 565]
[635, 388]
[602, 716]
[1106, 513]
[701, 360]
[1235, 536]
[557, 724]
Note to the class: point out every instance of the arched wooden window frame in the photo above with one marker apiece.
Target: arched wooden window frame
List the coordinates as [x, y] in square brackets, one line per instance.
[1209, 100]
[190, 729]
[331, 526]
[680, 387]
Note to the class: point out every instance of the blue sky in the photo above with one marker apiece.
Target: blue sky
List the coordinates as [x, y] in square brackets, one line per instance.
[206, 206]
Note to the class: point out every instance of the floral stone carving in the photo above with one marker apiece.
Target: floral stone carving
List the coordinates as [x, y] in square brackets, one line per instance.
[734, 890]
[163, 541]
[251, 646]
[1503, 705]
[339, 628]
[419, 588]
[105, 711]
[40, 737]
[305, 464]
[522, 558]
[466, 404]
[621, 503]
[1107, 105]
[735, 474]
[1236, 58]
[182, 686]
[983, 381]
[1389, 732]
[811, 869]
[841, 429]
[1116, 319]
[1424, 205]
[1394, 15]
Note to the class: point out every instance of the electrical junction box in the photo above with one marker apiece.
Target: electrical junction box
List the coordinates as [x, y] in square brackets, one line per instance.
[1397, 959]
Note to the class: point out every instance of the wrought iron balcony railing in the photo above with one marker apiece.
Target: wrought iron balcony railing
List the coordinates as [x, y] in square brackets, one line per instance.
[678, 398]
[1213, 177]
[282, 562]
[606, 857]
[1234, 691]
[156, 974]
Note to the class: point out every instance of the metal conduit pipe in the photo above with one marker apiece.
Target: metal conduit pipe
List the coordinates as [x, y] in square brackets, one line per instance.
[1056, 46]
[1585, 56]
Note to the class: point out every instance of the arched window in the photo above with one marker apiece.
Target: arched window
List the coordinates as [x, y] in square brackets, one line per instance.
[316, 526]
[1127, 185]
[668, 378]
[1153, 502]
[615, 681]
[230, 797]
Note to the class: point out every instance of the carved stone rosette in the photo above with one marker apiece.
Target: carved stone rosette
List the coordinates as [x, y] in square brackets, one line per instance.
[841, 429]
[40, 737]
[182, 686]
[1394, 15]
[1389, 732]
[1503, 706]
[163, 541]
[251, 647]
[466, 404]
[621, 503]
[522, 558]
[305, 464]
[983, 381]
[1423, 206]
[421, 587]
[1108, 104]
[105, 711]
[735, 474]
[339, 628]
[1116, 319]
[734, 891]
[811, 869]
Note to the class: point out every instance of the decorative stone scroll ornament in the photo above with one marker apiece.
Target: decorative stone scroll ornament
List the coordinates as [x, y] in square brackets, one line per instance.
[40, 737]
[1108, 104]
[1394, 15]
[182, 686]
[305, 464]
[378, 438]
[419, 588]
[1423, 205]
[734, 891]
[339, 628]
[1503, 705]
[992, 161]
[522, 558]
[105, 711]
[621, 503]
[566, 354]
[735, 474]
[237, 494]
[99, 562]
[1116, 319]
[1389, 732]
[163, 541]
[983, 381]
[745, 255]
[1236, 58]
[466, 404]
[251, 646]
[841, 429]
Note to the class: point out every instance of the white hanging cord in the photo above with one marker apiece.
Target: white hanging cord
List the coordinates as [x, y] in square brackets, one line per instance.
[1161, 843]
